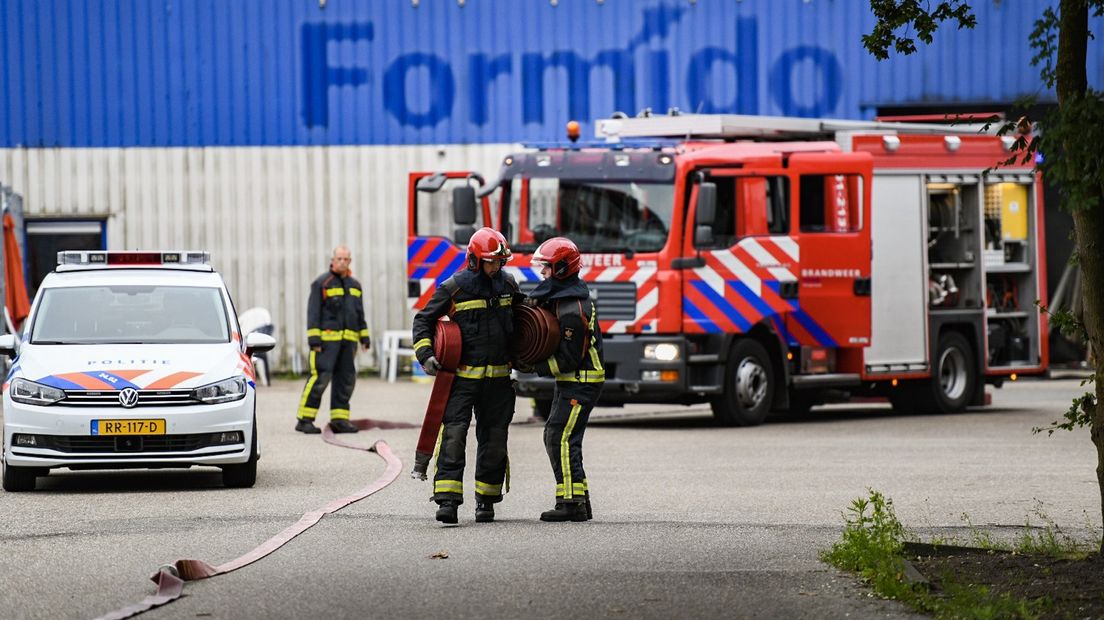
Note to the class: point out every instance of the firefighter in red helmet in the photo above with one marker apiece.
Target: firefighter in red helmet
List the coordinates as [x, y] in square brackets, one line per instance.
[479, 300]
[577, 366]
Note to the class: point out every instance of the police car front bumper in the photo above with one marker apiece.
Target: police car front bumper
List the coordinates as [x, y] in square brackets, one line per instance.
[56, 436]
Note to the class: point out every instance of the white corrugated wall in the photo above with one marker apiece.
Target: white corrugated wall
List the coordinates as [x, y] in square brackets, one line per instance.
[269, 216]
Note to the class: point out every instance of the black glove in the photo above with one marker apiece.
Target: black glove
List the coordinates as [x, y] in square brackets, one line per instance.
[431, 366]
[521, 366]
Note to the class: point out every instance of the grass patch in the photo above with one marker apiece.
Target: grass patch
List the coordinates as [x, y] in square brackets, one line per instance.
[872, 546]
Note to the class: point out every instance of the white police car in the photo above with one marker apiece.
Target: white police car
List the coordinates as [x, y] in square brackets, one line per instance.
[131, 359]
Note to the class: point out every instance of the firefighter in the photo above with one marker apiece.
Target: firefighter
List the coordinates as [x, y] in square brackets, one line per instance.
[335, 325]
[479, 299]
[577, 366]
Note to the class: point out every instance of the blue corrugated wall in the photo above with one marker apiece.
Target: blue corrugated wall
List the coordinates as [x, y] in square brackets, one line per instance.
[288, 72]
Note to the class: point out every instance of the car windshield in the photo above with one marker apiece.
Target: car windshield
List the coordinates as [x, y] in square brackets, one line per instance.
[621, 216]
[128, 314]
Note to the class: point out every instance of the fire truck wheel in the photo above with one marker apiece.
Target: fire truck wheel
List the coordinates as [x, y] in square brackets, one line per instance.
[954, 374]
[748, 386]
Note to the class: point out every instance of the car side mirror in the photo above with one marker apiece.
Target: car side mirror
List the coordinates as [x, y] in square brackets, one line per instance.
[255, 342]
[8, 345]
[705, 211]
[463, 205]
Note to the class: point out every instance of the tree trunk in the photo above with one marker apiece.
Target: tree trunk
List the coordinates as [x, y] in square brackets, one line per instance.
[1089, 227]
[1088, 218]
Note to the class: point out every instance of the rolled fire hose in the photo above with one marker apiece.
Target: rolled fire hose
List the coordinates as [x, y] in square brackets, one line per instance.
[536, 334]
[446, 348]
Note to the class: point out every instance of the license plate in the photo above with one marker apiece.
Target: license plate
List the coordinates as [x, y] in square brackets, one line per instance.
[128, 427]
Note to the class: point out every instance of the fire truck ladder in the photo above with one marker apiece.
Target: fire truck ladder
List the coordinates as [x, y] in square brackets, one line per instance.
[741, 126]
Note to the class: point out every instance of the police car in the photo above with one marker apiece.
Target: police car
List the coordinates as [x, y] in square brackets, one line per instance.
[131, 360]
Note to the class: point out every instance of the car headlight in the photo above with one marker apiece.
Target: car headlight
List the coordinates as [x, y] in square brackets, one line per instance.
[664, 352]
[31, 393]
[221, 392]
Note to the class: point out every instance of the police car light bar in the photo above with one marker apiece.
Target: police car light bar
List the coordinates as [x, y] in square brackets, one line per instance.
[72, 257]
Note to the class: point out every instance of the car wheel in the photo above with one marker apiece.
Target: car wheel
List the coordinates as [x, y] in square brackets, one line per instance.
[748, 386]
[19, 479]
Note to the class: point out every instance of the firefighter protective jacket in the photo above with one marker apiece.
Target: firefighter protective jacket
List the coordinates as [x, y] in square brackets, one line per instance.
[578, 359]
[482, 307]
[335, 310]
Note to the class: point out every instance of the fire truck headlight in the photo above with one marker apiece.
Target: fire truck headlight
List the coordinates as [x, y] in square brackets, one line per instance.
[664, 352]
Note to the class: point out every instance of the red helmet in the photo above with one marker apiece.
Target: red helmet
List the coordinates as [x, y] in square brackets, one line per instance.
[561, 255]
[487, 244]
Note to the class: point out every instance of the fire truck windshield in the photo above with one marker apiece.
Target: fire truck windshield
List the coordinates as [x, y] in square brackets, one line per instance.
[599, 216]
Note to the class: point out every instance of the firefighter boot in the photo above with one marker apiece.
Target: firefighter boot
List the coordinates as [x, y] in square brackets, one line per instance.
[565, 511]
[447, 511]
[307, 426]
[484, 512]
[343, 426]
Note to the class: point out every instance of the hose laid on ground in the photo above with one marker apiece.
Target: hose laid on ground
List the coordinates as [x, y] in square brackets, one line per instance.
[170, 578]
[446, 348]
[536, 334]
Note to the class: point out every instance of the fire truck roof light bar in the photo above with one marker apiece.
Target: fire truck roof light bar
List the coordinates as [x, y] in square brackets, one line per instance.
[104, 258]
[691, 126]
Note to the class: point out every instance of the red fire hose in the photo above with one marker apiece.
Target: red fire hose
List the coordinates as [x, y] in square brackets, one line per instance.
[446, 348]
[536, 334]
[170, 578]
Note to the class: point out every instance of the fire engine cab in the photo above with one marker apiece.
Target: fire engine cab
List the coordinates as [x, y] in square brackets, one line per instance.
[768, 263]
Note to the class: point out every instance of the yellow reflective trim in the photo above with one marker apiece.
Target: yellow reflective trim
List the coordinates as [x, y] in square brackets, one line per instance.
[314, 331]
[364, 333]
[437, 450]
[334, 292]
[585, 376]
[339, 414]
[305, 412]
[565, 450]
[350, 334]
[553, 366]
[506, 300]
[448, 486]
[481, 372]
[594, 359]
[331, 335]
[355, 292]
[424, 342]
[495, 372]
[577, 487]
[469, 305]
[471, 372]
[484, 488]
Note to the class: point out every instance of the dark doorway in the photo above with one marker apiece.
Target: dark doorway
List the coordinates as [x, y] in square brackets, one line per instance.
[45, 238]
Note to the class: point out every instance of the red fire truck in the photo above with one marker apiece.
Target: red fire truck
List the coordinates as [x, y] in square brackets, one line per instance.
[766, 263]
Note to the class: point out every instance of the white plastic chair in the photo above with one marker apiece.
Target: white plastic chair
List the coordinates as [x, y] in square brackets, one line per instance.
[390, 350]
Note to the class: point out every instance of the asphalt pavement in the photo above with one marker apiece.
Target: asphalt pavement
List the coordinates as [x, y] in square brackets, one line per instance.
[691, 520]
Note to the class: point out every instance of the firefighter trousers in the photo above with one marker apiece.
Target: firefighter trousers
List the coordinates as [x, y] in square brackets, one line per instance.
[563, 437]
[336, 361]
[492, 399]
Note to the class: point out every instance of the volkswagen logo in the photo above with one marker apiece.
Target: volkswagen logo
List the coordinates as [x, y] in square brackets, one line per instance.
[128, 397]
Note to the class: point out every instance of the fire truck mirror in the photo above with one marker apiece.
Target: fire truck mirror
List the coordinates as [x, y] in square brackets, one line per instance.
[463, 205]
[705, 211]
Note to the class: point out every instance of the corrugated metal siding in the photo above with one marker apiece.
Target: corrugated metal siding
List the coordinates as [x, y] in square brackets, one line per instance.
[254, 72]
[269, 216]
